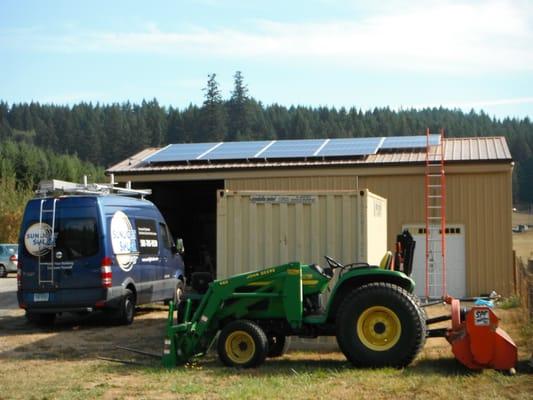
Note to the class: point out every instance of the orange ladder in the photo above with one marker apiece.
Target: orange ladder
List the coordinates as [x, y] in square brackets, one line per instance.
[435, 213]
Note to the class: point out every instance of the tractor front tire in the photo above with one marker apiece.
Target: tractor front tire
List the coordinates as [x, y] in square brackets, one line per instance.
[243, 344]
[379, 325]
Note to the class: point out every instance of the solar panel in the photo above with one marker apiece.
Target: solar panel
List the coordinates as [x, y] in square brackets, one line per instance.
[292, 148]
[350, 147]
[288, 149]
[181, 152]
[236, 150]
[409, 142]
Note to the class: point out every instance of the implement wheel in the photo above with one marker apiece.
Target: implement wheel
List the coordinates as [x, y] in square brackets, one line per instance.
[380, 325]
[242, 344]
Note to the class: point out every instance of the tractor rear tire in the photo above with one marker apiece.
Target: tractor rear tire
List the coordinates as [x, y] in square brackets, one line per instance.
[380, 325]
[243, 344]
[418, 303]
[277, 345]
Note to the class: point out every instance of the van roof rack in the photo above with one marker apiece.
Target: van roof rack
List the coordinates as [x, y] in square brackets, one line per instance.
[58, 187]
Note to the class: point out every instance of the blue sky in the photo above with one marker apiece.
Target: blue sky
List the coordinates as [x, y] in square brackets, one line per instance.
[402, 54]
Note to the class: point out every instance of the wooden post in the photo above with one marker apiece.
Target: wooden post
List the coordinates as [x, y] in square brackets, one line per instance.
[516, 289]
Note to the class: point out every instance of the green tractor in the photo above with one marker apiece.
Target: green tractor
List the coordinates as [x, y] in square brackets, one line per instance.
[371, 310]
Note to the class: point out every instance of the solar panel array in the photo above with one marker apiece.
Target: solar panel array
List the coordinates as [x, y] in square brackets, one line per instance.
[287, 149]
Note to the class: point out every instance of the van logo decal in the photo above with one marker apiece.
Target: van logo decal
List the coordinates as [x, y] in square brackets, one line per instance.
[38, 239]
[124, 241]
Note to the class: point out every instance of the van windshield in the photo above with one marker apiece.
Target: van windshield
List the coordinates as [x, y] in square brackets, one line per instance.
[77, 238]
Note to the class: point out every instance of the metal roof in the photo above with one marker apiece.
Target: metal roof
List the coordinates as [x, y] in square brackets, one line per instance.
[467, 149]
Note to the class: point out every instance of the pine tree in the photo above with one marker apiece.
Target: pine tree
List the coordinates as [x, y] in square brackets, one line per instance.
[299, 125]
[239, 112]
[213, 113]
[155, 122]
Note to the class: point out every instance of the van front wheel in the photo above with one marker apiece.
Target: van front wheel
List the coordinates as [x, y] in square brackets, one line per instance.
[126, 311]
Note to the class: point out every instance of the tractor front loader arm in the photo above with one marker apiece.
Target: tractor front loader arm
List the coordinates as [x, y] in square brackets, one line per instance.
[231, 299]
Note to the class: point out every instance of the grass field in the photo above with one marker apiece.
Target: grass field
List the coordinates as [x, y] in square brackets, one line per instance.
[64, 363]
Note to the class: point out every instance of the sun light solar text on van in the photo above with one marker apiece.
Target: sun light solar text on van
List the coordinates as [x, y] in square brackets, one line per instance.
[38, 239]
[124, 240]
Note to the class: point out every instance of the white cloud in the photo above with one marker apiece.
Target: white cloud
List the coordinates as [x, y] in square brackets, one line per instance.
[433, 36]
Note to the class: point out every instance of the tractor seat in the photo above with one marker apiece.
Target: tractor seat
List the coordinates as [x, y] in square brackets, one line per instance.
[386, 261]
[327, 272]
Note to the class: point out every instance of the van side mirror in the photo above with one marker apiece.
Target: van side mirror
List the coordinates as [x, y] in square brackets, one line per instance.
[179, 246]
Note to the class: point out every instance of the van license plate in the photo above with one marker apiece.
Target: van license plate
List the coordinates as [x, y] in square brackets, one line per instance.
[40, 296]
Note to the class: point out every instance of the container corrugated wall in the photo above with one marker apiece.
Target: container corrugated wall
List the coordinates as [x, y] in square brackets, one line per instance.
[260, 229]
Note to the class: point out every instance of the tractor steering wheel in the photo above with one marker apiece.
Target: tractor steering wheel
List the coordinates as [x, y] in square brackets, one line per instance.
[333, 263]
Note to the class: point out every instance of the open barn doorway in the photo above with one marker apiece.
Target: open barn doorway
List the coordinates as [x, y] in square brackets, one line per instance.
[190, 208]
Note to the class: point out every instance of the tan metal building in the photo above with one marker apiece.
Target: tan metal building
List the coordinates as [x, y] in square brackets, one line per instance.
[478, 205]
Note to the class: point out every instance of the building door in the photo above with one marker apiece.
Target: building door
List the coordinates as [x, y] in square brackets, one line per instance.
[455, 261]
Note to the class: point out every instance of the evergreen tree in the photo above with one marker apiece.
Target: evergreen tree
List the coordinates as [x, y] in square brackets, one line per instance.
[299, 126]
[155, 118]
[239, 110]
[213, 113]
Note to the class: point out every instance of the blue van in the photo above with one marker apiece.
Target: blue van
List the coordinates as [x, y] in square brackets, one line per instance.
[95, 250]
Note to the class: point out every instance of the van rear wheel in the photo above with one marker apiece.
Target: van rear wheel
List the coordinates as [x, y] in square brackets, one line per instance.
[3, 271]
[126, 312]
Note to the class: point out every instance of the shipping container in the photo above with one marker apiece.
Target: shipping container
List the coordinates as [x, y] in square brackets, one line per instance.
[257, 229]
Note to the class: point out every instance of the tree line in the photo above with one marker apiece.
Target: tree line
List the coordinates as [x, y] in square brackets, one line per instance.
[103, 134]
[22, 166]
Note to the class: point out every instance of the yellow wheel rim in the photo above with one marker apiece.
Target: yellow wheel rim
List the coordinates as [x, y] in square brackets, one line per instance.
[379, 328]
[240, 347]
